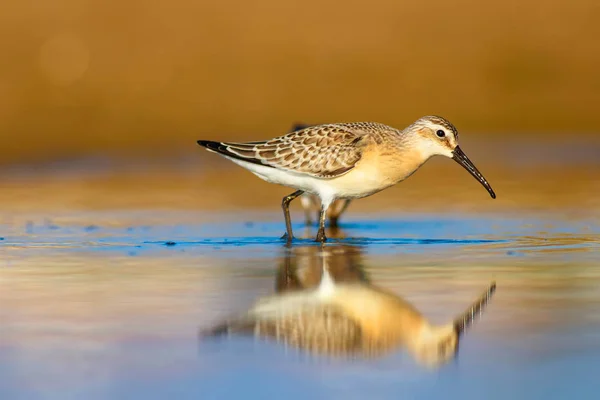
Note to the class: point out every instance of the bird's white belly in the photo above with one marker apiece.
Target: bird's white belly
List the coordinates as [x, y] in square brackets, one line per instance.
[360, 182]
[295, 180]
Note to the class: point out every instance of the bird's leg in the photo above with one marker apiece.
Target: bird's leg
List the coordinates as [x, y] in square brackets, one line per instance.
[287, 280]
[335, 216]
[285, 204]
[318, 213]
[321, 233]
[307, 218]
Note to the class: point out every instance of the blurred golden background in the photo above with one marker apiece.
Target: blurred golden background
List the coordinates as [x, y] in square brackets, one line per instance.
[146, 78]
[101, 102]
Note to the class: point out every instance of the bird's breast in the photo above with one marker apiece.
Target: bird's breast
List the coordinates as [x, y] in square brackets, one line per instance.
[375, 172]
[384, 319]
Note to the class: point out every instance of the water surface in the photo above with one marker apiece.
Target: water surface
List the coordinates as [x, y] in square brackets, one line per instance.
[108, 304]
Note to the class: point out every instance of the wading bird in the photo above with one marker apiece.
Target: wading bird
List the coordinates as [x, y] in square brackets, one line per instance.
[346, 160]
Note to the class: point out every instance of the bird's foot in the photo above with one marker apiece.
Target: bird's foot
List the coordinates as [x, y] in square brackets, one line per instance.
[321, 238]
[288, 239]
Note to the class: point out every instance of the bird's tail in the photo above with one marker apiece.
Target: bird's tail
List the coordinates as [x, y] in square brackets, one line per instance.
[235, 326]
[239, 151]
[210, 145]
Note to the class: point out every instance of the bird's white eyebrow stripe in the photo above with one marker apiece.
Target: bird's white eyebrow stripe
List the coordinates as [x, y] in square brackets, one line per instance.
[442, 122]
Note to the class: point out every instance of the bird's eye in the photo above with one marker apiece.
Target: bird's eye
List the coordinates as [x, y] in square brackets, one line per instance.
[440, 133]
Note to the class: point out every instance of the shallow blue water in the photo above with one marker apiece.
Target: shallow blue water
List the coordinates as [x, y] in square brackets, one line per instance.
[97, 310]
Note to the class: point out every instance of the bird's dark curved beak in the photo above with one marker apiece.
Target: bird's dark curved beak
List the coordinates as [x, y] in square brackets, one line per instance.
[463, 160]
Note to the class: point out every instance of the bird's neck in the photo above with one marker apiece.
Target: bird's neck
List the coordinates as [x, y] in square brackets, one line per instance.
[400, 164]
[433, 345]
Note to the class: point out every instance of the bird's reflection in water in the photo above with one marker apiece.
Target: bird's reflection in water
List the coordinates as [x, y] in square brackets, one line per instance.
[326, 305]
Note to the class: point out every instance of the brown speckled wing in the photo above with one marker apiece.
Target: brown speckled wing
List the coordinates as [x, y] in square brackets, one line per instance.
[324, 151]
[319, 330]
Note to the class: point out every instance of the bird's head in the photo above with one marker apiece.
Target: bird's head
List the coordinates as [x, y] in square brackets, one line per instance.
[433, 135]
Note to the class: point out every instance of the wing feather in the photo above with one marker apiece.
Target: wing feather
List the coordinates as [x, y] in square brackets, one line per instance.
[316, 329]
[323, 151]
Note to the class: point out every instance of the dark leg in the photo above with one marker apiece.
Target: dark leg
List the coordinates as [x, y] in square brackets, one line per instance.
[287, 280]
[321, 233]
[333, 219]
[307, 218]
[285, 204]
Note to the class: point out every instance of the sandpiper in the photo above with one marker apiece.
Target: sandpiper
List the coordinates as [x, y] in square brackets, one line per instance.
[346, 160]
[353, 318]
